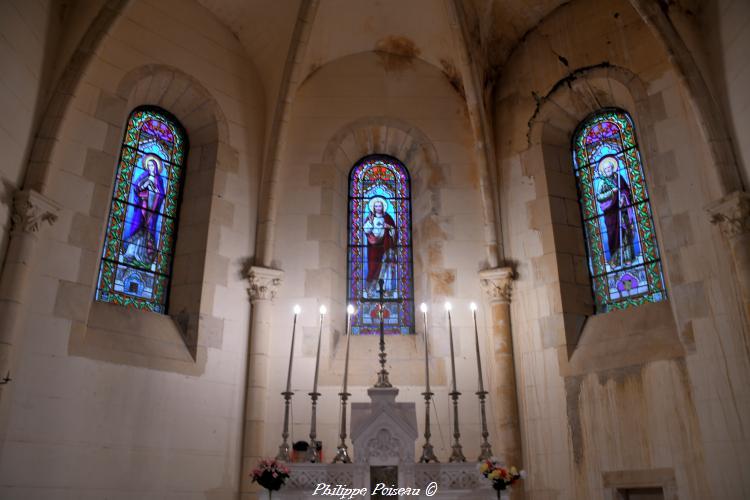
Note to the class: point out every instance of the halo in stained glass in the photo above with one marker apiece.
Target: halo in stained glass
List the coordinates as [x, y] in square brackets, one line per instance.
[623, 253]
[139, 242]
[380, 246]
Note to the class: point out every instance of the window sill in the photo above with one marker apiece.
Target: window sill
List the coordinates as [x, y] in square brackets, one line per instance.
[623, 338]
[132, 337]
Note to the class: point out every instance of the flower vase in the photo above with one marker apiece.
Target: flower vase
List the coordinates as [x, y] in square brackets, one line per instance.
[503, 494]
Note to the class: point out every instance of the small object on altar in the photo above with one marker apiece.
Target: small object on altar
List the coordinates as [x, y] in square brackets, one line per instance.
[299, 451]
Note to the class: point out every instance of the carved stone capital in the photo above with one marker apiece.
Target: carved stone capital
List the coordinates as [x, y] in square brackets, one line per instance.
[731, 214]
[30, 210]
[497, 284]
[263, 282]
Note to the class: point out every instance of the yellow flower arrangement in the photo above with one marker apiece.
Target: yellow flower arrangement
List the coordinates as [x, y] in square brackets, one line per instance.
[502, 477]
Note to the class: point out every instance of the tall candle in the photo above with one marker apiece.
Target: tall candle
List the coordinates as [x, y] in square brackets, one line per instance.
[423, 308]
[486, 448]
[448, 308]
[297, 310]
[428, 453]
[342, 453]
[283, 454]
[473, 307]
[457, 454]
[312, 452]
[349, 312]
[317, 355]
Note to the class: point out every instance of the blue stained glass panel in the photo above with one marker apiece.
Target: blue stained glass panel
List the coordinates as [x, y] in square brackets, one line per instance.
[139, 242]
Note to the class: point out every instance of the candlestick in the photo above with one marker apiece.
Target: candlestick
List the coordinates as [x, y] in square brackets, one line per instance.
[284, 446]
[486, 448]
[457, 453]
[428, 453]
[383, 373]
[343, 453]
[312, 451]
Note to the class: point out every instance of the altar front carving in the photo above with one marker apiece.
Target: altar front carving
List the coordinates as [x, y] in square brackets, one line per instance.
[384, 433]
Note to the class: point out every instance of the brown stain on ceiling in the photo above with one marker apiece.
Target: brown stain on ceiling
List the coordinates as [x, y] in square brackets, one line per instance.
[396, 53]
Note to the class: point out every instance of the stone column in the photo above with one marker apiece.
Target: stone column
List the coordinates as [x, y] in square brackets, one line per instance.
[506, 442]
[30, 211]
[263, 283]
[732, 215]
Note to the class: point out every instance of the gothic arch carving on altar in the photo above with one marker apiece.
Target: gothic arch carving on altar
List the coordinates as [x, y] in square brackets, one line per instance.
[384, 446]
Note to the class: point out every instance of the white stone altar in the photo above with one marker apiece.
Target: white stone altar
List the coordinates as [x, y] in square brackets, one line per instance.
[383, 434]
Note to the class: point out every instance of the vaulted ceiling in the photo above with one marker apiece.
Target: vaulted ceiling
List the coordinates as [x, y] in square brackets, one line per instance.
[418, 28]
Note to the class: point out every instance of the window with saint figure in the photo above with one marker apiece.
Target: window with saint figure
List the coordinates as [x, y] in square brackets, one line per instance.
[139, 242]
[623, 254]
[380, 246]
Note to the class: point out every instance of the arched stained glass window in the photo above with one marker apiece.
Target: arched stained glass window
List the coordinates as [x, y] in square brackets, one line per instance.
[380, 246]
[622, 250]
[139, 242]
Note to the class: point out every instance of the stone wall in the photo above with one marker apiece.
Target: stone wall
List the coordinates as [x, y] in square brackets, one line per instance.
[634, 393]
[115, 402]
[725, 28]
[28, 29]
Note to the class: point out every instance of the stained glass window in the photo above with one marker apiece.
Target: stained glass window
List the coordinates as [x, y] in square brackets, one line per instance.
[622, 250]
[380, 246]
[139, 242]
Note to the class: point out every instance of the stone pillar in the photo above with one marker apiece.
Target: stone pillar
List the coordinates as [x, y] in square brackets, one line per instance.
[732, 215]
[30, 211]
[263, 283]
[506, 441]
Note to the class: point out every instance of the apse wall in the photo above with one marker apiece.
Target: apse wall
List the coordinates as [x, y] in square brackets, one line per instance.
[649, 395]
[27, 28]
[355, 106]
[115, 402]
[726, 28]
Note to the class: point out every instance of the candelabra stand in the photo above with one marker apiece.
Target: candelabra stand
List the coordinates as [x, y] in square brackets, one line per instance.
[485, 447]
[457, 454]
[383, 373]
[283, 454]
[428, 453]
[312, 452]
[342, 453]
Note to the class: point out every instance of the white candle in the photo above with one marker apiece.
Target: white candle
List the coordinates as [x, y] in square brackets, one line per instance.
[473, 308]
[448, 308]
[349, 312]
[317, 355]
[297, 310]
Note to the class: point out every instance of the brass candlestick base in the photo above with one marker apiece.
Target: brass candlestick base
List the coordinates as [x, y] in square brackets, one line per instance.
[485, 447]
[283, 453]
[342, 453]
[457, 454]
[428, 453]
[312, 451]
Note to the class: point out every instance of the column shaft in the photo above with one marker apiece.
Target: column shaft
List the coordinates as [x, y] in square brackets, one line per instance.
[263, 284]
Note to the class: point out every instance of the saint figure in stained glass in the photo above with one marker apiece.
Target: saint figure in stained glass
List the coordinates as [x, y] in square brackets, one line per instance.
[380, 246]
[615, 202]
[380, 230]
[147, 194]
[621, 242]
[139, 242]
